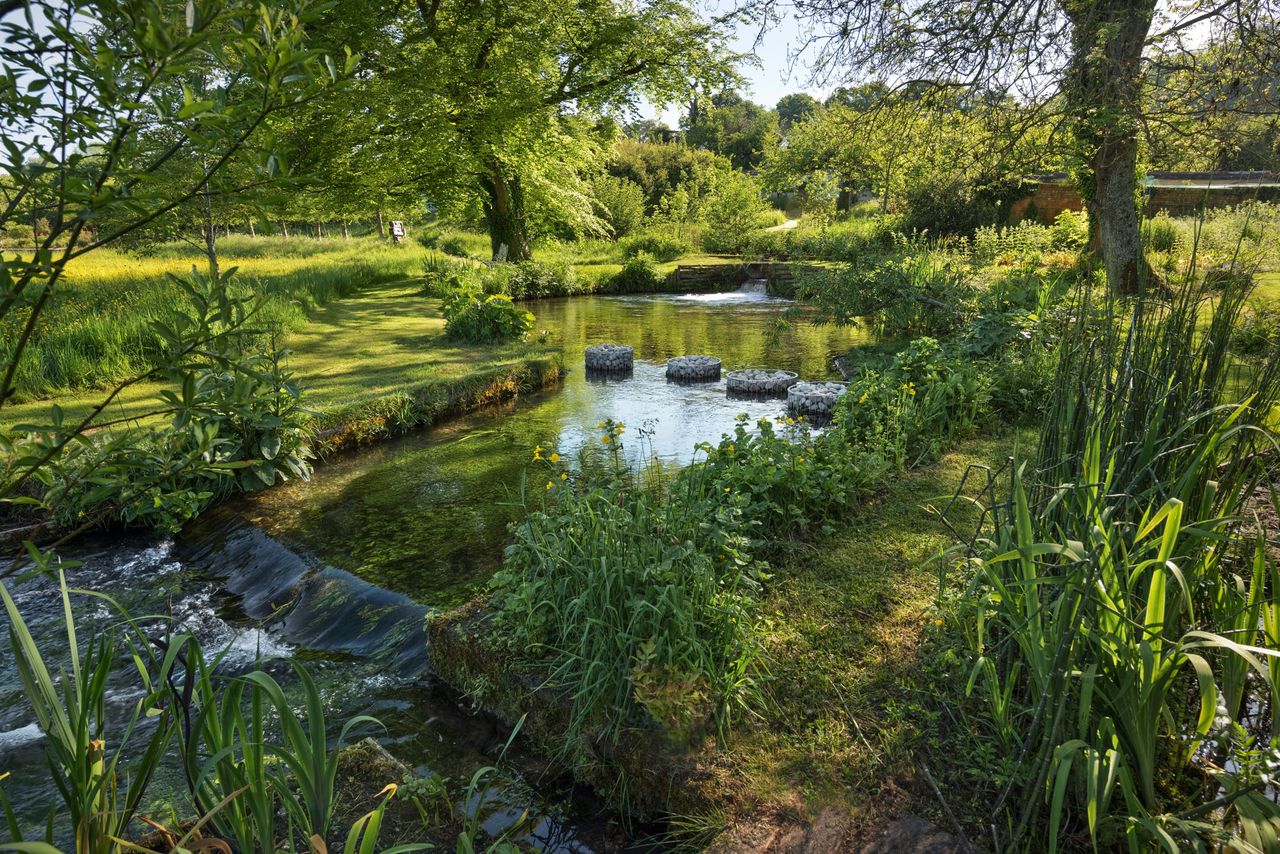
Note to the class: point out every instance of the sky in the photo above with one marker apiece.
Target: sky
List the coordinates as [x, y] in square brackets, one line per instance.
[774, 74]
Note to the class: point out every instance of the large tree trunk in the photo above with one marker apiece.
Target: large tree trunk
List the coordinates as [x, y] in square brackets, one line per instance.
[504, 210]
[1103, 91]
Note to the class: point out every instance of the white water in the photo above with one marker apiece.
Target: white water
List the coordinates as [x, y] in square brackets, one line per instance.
[752, 290]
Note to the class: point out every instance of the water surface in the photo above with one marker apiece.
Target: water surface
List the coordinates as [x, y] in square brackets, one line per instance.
[342, 570]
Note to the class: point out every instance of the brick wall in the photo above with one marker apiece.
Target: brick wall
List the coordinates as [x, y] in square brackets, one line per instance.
[1047, 199]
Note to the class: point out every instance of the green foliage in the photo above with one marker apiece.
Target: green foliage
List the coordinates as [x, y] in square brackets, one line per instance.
[97, 328]
[843, 240]
[1113, 612]
[1027, 242]
[533, 280]
[572, 580]
[1258, 331]
[479, 318]
[660, 247]
[733, 211]
[732, 127]
[623, 204]
[794, 484]
[1161, 233]
[923, 401]
[638, 275]
[909, 290]
[234, 424]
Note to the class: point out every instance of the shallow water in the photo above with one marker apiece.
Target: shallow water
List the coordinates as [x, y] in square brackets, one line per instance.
[341, 570]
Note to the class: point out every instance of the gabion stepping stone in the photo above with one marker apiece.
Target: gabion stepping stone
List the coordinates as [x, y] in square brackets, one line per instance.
[759, 383]
[816, 400]
[693, 369]
[610, 358]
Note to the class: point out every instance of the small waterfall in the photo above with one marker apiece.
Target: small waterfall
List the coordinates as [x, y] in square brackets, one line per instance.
[755, 287]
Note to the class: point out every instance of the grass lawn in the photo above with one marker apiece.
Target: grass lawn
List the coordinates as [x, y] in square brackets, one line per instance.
[353, 350]
[1268, 287]
[855, 704]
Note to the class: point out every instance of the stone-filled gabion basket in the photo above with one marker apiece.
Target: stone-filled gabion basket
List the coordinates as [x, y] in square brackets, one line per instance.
[814, 400]
[610, 358]
[693, 369]
[752, 382]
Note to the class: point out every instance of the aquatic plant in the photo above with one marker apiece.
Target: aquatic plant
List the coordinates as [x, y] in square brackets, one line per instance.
[637, 606]
[1113, 613]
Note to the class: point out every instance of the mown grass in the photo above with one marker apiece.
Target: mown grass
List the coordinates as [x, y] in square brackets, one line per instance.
[99, 325]
[854, 705]
[351, 352]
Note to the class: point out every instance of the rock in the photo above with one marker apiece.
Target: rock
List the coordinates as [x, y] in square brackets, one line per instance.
[914, 835]
[610, 358]
[759, 383]
[817, 400]
[693, 369]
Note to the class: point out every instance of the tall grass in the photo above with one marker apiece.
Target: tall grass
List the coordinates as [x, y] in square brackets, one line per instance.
[1114, 612]
[99, 326]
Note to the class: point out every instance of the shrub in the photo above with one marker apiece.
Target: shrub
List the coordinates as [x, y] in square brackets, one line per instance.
[1259, 330]
[573, 578]
[621, 202]
[535, 280]
[479, 318]
[1069, 232]
[638, 275]
[1161, 233]
[660, 247]
[949, 207]
[733, 211]
[454, 245]
[793, 483]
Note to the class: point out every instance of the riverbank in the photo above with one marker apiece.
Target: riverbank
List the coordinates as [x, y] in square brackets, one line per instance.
[370, 364]
[855, 701]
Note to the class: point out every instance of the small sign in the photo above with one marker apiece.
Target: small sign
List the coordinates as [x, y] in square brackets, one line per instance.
[397, 230]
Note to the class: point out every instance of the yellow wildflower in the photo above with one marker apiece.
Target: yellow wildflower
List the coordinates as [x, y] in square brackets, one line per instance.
[564, 476]
[726, 489]
[863, 399]
[604, 440]
[555, 458]
[389, 789]
[548, 484]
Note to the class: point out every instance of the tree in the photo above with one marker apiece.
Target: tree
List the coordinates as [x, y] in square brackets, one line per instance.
[795, 108]
[498, 101]
[1087, 60]
[732, 126]
[959, 156]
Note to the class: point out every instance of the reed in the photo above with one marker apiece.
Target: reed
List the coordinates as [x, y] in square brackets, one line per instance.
[1113, 614]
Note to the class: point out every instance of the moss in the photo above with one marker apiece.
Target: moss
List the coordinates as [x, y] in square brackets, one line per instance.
[428, 402]
[643, 774]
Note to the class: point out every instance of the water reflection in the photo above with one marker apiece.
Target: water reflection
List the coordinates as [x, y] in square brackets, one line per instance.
[426, 515]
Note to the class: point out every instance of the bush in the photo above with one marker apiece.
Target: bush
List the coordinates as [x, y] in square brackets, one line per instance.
[733, 211]
[479, 318]
[947, 208]
[660, 247]
[794, 483]
[621, 203]
[1258, 331]
[1069, 232]
[533, 280]
[1161, 233]
[638, 275]
[578, 568]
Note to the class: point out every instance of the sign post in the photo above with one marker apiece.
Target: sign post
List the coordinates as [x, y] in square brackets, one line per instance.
[397, 230]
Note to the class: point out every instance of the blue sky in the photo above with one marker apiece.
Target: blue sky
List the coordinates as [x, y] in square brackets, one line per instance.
[774, 75]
